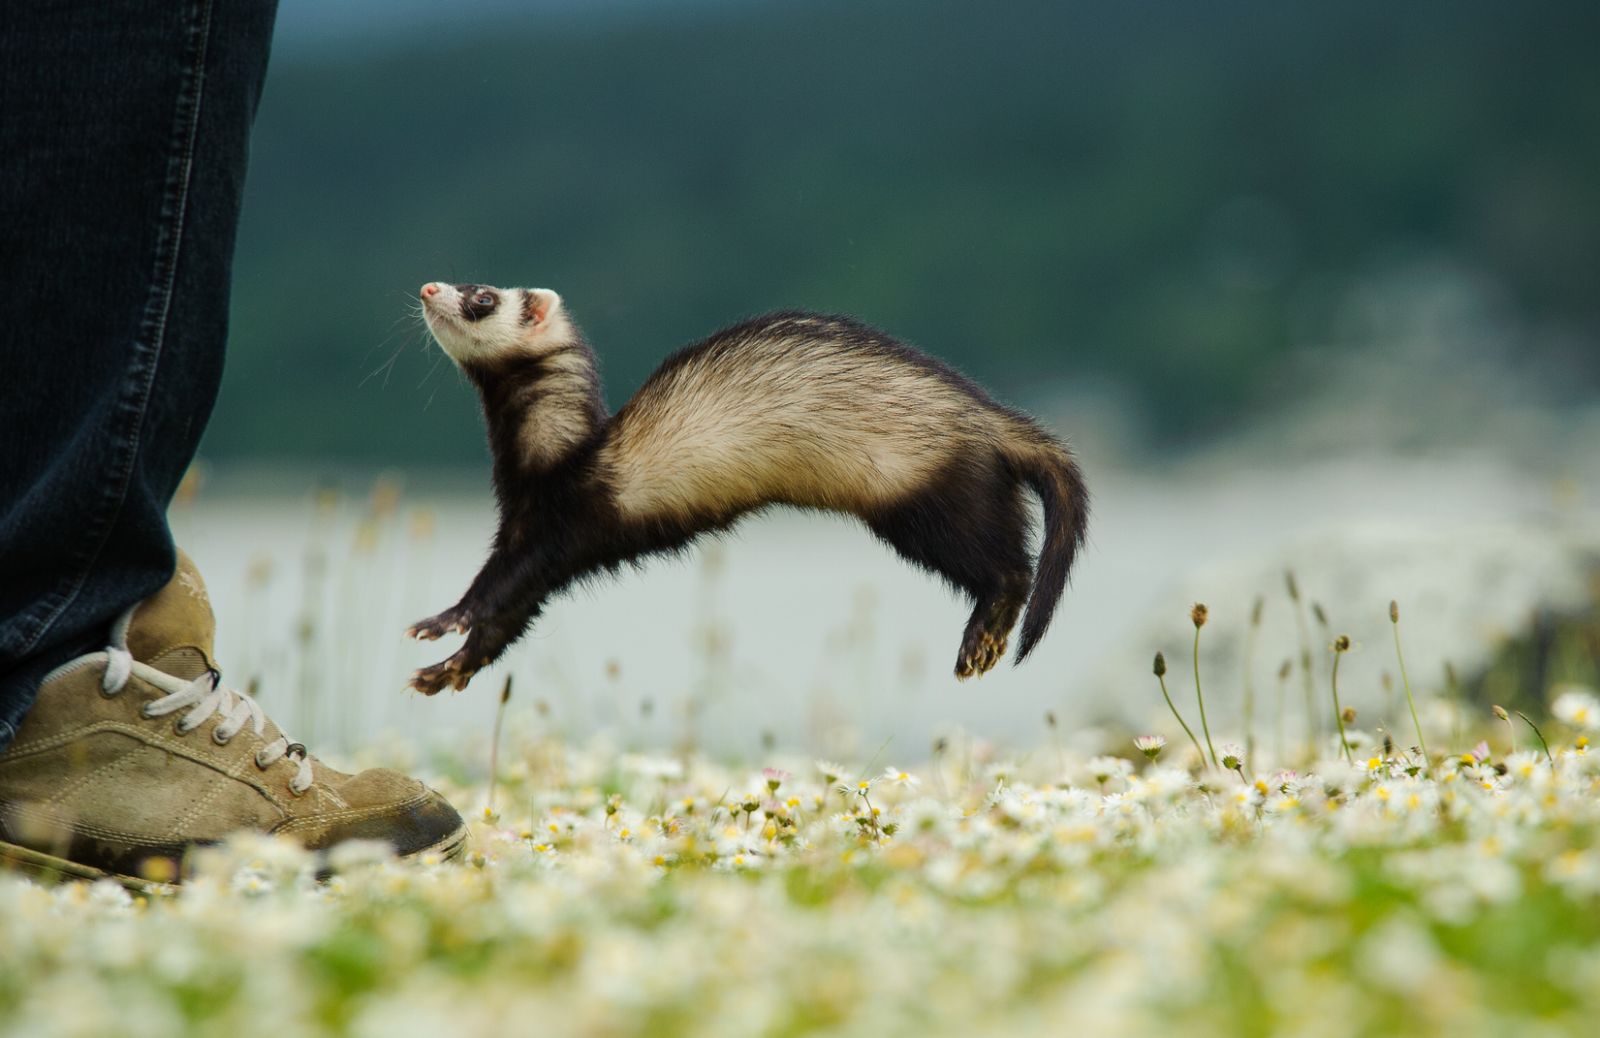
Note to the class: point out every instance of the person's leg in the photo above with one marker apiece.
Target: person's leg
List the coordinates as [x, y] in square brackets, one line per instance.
[122, 153]
[123, 140]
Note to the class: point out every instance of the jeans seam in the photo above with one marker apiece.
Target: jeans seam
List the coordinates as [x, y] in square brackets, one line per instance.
[147, 350]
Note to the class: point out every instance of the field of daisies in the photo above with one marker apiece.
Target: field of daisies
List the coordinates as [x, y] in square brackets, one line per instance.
[1323, 854]
[1375, 890]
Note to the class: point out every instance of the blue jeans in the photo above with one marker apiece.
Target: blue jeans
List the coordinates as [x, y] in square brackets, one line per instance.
[124, 133]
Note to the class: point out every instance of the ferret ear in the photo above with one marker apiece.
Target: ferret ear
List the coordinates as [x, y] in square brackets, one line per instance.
[539, 305]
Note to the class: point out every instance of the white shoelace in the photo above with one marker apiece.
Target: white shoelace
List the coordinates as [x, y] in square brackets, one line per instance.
[204, 696]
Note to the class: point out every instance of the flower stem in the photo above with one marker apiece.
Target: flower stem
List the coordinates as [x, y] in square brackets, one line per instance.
[1422, 744]
[1181, 723]
[494, 741]
[1539, 734]
[1338, 713]
[1250, 683]
[1308, 678]
[1201, 698]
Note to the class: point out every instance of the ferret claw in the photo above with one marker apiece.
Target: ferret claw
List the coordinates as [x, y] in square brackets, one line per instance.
[979, 655]
[454, 620]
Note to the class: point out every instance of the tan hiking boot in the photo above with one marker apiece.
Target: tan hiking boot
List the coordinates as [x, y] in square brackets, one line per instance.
[133, 755]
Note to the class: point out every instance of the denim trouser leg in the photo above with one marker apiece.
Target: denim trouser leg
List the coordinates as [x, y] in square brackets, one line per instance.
[123, 139]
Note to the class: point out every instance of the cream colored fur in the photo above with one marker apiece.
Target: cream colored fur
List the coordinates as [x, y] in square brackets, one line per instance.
[559, 419]
[558, 422]
[499, 333]
[787, 425]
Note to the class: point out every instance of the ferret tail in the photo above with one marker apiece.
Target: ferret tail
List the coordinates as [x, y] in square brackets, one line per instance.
[1049, 468]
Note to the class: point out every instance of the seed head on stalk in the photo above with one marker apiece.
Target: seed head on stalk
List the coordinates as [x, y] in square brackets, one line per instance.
[1394, 625]
[1284, 671]
[1341, 645]
[1501, 715]
[1250, 680]
[1307, 677]
[1198, 614]
[494, 746]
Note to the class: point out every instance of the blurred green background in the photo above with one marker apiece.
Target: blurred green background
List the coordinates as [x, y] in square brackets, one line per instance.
[1164, 205]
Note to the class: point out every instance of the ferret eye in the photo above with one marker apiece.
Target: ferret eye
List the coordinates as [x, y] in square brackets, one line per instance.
[483, 299]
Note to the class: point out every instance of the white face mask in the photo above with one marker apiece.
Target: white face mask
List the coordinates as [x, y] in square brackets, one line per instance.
[478, 323]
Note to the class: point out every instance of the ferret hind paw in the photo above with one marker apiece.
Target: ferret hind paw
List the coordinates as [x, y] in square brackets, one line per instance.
[454, 672]
[979, 654]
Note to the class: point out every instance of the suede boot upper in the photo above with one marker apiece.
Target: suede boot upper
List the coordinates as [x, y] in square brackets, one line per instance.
[131, 756]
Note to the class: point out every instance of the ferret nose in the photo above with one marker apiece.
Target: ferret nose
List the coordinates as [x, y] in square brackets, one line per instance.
[430, 290]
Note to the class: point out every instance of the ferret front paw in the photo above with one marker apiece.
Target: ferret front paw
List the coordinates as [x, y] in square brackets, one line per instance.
[454, 672]
[455, 620]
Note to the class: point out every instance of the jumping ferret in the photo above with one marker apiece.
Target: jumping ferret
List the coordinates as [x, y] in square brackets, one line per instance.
[791, 408]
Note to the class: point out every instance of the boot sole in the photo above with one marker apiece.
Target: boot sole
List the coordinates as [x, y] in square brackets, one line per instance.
[49, 867]
[53, 869]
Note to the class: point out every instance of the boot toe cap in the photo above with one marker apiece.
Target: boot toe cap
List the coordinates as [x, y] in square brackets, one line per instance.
[387, 806]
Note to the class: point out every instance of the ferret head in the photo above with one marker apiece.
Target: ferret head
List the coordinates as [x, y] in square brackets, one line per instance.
[479, 324]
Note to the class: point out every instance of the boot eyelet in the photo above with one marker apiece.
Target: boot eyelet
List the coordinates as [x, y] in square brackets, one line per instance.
[180, 729]
[261, 764]
[218, 738]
